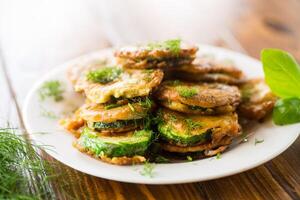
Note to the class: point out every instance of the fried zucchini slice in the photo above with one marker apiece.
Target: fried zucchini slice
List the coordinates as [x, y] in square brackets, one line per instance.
[119, 111]
[123, 84]
[189, 130]
[257, 99]
[156, 55]
[198, 98]
[209, 70]
[129, 144]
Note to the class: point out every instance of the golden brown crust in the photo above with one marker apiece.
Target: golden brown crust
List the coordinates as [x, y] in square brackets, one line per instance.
[72, 125]
[209, 70]
[124, 160]
[202, 147]
[180, 107]
[208, 95]
[98, 112]
[143, 53]
[131, 83]
[257, 99]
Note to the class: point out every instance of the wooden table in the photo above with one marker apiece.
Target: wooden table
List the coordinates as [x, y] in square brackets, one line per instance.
[258, 24]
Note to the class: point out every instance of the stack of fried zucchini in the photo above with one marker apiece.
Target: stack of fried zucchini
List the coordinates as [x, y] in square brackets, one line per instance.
[194, 107]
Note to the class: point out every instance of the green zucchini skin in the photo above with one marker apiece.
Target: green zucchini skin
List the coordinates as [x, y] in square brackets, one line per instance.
[114, 125]
[168, 134]
[128, 144]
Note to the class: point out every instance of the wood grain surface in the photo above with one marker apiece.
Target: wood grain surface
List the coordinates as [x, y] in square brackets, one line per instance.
[259, 24]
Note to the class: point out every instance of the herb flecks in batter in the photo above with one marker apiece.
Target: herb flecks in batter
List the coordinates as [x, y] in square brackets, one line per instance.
[104, 75]
[186, 92]
[171, 45]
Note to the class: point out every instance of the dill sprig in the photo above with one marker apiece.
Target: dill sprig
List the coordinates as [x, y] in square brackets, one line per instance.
[51, 89]
[20, 164]
[104, 75]
[186, 92]
[171, 45]
[148, 169]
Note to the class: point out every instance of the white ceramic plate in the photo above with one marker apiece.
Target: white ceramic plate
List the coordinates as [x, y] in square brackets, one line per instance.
[236, 159]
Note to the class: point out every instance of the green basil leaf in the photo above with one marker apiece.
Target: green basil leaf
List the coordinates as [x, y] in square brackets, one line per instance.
[282, 73]
[287, 111]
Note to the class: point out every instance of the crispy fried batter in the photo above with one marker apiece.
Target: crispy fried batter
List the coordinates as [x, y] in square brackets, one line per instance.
[207, 147]
[208, 70]
[206, 95]
[131, 83]
[124, 160]
[257, 99]
[72, 124]
[99, 112]
[143, 57]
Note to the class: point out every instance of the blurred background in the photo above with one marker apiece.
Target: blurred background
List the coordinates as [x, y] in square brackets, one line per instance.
[36, 35]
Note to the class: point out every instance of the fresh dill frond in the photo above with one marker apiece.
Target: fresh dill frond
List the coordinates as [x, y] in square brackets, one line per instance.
[148, 170]
[218, 156]
[131, 107]
[110, 106]
[186, 92]
[48, 114]
[146, 103]
[171, 45]
[257, 141]
[189, 158]
[104, 75]
[192, 124]
[18, 161]
[51, 89]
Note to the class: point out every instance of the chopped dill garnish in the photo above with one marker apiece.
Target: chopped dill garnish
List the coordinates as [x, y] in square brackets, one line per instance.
[186, 92]
[192, 125]
[48, 114]
[104, 75]
[161, 159]
[173, 118]
[146, 103]
[131, 107]
[189, 158]
[218, 156]
[51, 89]
[110, 106]
[148, 170]
[171, 45]
[257, 141]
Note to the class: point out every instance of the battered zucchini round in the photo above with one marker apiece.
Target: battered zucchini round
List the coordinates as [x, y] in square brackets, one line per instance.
[257, 99]
[201, 98]
[188, 130]
[209, 70]
[156, 55]
[111, 112]
[126, 84]
[133, 143]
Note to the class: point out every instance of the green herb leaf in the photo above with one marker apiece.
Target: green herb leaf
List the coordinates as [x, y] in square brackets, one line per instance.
[51, 89]
[147, 170]
[282, 73]
[286, 111]
[131, 107]
[218, 156]
[189, 158]
[186, 92]
[104, 75]
[171, 45]
[110, 106]
[257, 141]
